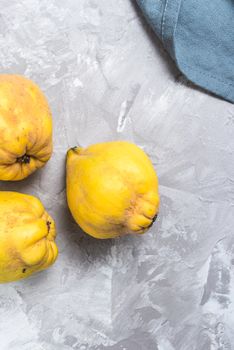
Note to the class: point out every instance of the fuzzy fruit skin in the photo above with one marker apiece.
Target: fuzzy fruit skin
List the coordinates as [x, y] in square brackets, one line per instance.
[27, 236]
[112, 189]
[25, 128]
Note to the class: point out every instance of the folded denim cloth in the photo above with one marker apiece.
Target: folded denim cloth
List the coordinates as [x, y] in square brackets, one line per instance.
[199, 35]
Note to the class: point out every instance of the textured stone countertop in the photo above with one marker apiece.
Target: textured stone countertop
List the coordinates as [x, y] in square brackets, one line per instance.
[107, 77]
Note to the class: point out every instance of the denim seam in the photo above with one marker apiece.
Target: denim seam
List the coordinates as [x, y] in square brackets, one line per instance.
[208, 75]
[163, 21]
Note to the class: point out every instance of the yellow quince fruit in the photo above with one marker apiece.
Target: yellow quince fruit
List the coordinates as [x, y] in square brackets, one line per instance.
[112, 189]
[27, 236]
[25, 128]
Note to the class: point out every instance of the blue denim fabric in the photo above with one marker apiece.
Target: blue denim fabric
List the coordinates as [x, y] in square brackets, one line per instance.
[199, 35]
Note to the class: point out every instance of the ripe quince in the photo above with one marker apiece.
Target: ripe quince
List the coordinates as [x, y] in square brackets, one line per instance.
[112, 189]
[25, 127]
[27, 235]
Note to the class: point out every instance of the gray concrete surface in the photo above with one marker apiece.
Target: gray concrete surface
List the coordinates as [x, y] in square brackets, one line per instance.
[107, 77]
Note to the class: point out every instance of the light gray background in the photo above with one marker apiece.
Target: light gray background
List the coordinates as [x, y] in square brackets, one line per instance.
[106, 78]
